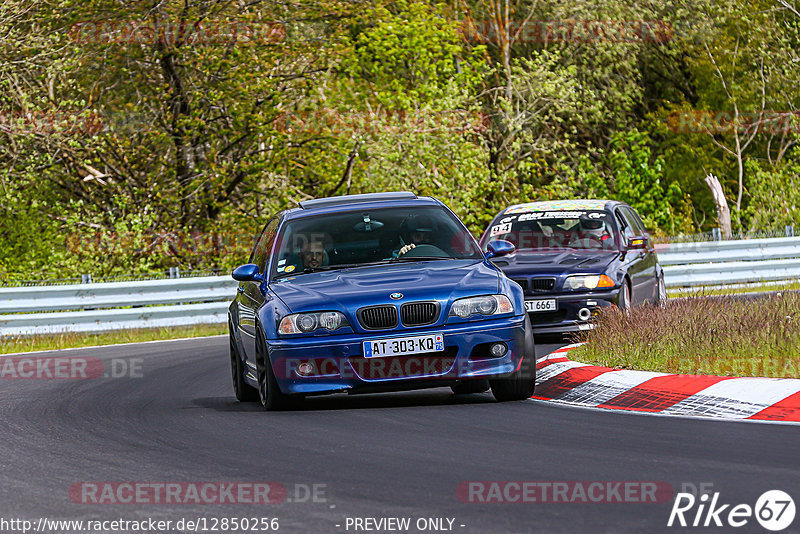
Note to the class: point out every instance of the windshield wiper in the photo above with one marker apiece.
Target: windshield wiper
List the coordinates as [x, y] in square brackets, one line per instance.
[309, 270]
[421, 258]
[365, 264]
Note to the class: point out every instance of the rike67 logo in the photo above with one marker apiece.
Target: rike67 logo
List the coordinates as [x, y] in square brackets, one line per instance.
[774, 510]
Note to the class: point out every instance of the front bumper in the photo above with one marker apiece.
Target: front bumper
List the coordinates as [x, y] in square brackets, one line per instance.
[566, 317]
[338, 361]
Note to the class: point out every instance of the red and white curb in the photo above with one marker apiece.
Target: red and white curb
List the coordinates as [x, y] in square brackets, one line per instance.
[560, 379]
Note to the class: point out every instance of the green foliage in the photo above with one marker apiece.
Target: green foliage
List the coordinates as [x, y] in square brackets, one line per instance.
[629, 171]
[638, 179]
[774, 195]
[125, 155]
[535, 118]
[409, 53]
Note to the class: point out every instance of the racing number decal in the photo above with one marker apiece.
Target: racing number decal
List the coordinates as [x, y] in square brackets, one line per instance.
[500, 229]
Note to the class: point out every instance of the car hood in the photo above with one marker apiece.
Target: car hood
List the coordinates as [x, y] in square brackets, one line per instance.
[556, 262]
[349, 289]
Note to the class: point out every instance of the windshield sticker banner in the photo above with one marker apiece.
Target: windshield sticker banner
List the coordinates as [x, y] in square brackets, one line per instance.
[561, 215]
[557, 205]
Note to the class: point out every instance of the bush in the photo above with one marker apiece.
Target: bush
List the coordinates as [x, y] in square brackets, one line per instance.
[724, 336]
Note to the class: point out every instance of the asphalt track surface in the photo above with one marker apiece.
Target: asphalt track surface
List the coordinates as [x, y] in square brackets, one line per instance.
[378, 455]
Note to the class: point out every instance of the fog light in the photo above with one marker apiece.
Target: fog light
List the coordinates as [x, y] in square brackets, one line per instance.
[498, 349]
[305, 368]
[584, 314]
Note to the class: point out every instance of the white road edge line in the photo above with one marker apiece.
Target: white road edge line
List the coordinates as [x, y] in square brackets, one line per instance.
[112, 345]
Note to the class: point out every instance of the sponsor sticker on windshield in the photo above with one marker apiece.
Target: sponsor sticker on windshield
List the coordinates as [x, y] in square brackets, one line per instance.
[538, 215]
[552, 215]
[557, 205]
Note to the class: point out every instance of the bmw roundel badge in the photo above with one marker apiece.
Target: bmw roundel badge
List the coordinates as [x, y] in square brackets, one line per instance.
[396, 296]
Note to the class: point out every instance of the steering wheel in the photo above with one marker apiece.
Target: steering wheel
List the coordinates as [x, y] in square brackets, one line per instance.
[588, 241]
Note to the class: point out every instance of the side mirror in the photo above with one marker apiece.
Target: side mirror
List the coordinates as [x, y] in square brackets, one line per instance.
[499, 247]
[637, 243]
[247, 273]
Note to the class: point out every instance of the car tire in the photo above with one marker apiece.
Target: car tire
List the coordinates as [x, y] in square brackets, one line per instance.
[624, 302]
[269, 394]
[661, 293]
[470, 386]
[520, 384]
[244, 392]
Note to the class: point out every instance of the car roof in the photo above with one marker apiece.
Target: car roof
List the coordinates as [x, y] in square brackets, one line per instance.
[343, 203]
[354, 199]
[562, 205]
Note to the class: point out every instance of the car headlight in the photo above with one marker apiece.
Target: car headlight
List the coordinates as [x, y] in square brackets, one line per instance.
[485, 305]
[305, 323]
[588, 282]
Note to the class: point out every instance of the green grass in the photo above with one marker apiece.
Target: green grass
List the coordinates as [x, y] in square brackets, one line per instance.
[757, 288]
[719, 336]
[70, 340]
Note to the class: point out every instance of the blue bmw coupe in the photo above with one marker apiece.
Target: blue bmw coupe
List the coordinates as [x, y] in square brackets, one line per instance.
[378, 292]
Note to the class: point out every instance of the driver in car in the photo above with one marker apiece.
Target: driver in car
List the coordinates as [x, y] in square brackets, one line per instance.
[312, 254]
[416, 230]
[592, 234]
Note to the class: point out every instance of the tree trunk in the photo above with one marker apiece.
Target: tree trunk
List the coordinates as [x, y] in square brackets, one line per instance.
[723, 212]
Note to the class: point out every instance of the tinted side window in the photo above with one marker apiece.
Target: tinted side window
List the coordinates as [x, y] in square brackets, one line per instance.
[624, 224]
[637, 222]
[264, 246]
[627, 221]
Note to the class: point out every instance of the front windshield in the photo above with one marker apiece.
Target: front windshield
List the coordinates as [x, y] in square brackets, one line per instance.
[558, 229]
[329, 241]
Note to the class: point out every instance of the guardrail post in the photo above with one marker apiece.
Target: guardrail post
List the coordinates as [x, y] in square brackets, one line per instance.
[789, 230]
[174, 272]
[717, 234]
[86, 279]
